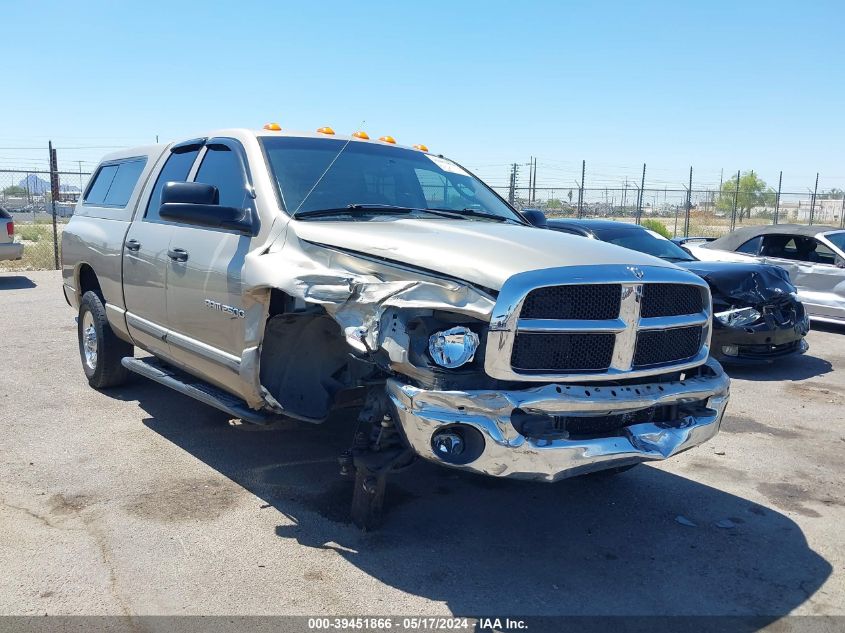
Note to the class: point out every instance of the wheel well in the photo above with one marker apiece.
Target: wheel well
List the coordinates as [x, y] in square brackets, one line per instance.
[88, 281]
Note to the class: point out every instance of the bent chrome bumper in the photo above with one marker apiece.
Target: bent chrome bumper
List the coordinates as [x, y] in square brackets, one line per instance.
[700, 401]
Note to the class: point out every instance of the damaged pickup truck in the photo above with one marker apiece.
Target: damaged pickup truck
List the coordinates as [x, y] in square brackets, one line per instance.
[274, 274]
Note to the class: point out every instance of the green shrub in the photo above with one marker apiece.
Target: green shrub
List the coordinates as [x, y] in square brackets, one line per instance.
[29, 232]
[657, 226]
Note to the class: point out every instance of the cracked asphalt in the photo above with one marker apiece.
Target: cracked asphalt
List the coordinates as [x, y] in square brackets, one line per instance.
[141, 501]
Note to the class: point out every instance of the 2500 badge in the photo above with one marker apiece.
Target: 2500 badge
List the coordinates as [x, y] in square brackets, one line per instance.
[222, 307]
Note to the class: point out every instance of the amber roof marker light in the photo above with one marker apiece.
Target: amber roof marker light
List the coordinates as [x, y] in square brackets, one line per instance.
[325, 130]
[421, 147]
[273, 127]
[387, 139]
[361, 134]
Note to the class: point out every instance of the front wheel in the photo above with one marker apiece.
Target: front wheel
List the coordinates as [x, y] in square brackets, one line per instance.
[99, 347]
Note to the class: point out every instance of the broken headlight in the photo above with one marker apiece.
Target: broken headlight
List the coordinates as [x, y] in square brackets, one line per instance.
[453, 347]
[738, 317]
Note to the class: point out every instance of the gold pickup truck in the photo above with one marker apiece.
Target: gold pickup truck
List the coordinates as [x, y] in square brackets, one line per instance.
[277, 274]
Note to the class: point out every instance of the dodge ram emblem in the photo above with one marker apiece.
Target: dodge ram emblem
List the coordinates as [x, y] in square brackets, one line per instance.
[637, 272]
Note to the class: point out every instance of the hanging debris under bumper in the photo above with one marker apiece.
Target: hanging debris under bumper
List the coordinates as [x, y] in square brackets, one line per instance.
[553, 431]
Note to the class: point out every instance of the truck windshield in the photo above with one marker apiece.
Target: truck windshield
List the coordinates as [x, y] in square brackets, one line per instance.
[644, 241]
[370, 175]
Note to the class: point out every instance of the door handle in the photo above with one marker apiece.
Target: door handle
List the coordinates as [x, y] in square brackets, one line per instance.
[133, 245]
[178, 254]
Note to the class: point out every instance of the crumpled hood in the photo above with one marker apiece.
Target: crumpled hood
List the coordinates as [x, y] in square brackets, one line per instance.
[482, 253]
[743, 284]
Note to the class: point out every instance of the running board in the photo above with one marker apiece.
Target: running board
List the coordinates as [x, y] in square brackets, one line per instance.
[184, 383]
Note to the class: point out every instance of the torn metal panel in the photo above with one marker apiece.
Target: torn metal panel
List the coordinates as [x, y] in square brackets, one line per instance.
[356, 291]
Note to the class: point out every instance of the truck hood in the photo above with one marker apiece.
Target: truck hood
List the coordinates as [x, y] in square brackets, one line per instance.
[482, 253]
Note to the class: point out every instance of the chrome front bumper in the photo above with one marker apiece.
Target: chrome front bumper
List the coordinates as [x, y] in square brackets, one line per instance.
[506, 453]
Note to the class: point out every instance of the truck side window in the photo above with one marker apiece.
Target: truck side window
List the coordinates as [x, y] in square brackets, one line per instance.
[176, 169]
[114, 183]
[221, 167]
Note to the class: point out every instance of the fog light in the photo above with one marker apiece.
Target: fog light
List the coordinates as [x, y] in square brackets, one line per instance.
[730, 350]
[453, 347]
[448, 444]
[457, 444]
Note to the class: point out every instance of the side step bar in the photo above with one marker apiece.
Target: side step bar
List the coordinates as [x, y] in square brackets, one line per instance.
[195, 388]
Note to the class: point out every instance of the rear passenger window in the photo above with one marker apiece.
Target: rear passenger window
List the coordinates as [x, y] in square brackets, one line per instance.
[176, 169]
[100, 186]
[114, 183]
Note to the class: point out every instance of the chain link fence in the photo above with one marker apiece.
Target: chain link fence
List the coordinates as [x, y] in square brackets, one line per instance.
[27, 196]
[698, 213]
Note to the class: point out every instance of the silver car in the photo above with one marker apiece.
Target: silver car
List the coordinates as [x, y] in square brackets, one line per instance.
[814, 256]
[9, 249]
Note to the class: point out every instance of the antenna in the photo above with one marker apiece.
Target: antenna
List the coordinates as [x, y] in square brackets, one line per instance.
[323, 175]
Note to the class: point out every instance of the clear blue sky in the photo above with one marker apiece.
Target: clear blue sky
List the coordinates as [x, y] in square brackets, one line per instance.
[719, 85]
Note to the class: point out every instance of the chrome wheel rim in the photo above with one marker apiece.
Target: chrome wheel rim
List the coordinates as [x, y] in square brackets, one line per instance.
[89, 341]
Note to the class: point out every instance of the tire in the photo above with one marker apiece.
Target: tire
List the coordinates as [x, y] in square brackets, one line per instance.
[99, 347]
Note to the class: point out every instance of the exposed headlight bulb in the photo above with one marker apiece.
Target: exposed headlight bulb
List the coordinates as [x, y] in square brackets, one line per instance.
[453, 347]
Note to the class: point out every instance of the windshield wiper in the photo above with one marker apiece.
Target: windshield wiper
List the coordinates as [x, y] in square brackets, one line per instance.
[455, 213]
[369, 209]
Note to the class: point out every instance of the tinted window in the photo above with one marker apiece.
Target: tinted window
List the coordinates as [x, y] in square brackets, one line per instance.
[100, 186]
[113, 184]
[837, 239]
[5, 214]
[644, 241]
[176, 169]
[123, 183]
[221, 167]
[751, 247]
[821, 253]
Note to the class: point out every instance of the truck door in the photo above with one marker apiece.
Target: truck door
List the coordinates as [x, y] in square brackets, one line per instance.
[145, 261]
[205, 308]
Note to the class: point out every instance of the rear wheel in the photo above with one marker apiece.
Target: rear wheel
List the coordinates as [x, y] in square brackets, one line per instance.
[99, 347]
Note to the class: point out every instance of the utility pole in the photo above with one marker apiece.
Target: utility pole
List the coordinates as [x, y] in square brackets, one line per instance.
[534, 186]
[512, 186]
[640, 197]
[581, 189]
[813, 203]
[777, 197]
[54, 193]
[689, 204]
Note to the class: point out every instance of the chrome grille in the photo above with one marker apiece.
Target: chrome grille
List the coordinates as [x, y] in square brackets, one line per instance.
[661, 300]
[562, 352]
[589, 302]
[605, 322]
[656, 347]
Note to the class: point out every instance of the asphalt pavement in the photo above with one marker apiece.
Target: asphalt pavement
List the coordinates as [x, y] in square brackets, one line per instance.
[139, 500]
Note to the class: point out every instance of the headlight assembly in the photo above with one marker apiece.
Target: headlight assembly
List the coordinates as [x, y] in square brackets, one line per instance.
[738, 317]
[453, 347]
